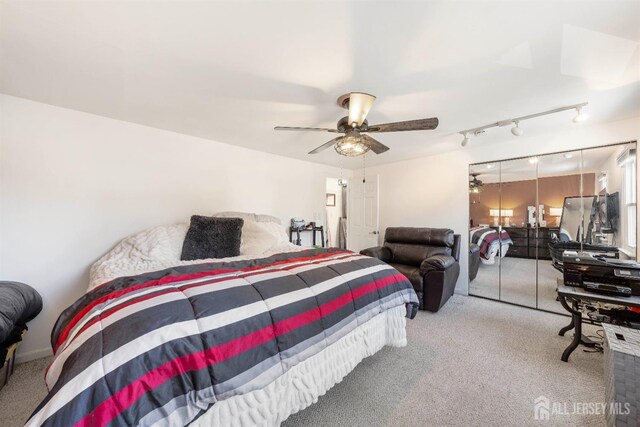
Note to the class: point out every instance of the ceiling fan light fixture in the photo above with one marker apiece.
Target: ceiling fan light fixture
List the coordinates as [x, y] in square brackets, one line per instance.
[359, 106]
[515, 130]
[351, 145]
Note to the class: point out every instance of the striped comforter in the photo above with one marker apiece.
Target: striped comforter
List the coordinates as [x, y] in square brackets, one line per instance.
[161, 348]
[488, 240]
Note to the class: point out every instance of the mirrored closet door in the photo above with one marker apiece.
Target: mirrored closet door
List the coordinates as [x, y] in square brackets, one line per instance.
[524, 213]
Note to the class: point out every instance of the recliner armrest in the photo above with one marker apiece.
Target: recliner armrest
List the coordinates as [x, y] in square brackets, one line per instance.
[473, 248]
[382, 253]
[436, 263]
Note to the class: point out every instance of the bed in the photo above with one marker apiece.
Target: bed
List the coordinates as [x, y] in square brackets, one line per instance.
[242, 341]
[490, 243]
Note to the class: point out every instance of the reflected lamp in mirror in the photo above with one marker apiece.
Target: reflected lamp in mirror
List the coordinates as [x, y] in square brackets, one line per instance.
[497, 213]
[557, 213]
[506, 214]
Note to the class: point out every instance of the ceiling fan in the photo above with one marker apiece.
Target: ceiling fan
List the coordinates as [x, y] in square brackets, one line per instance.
[475, 184]
[355, 142]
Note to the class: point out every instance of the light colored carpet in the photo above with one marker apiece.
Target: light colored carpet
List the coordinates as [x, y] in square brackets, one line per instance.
[517, 283]
[476, 362]
[23, 392]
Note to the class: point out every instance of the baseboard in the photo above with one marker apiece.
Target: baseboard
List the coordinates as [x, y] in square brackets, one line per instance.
[33, 355]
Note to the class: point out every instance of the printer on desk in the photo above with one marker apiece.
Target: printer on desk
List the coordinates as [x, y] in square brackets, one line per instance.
[599, 274]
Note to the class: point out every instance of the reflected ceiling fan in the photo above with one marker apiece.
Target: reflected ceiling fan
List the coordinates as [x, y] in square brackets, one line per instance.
[355, 142]
[475, 184]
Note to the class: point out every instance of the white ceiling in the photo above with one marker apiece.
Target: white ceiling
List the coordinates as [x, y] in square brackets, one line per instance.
[230, 71]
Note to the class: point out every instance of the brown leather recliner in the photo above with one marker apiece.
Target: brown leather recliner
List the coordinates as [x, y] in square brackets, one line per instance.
[428, 257]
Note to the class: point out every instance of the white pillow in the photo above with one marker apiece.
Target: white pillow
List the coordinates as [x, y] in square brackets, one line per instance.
[164, 242]
[267, 218]
[249, 216]
[276, 230]
[244, 215]
[160, 243]
[260, 232]
[256, 239]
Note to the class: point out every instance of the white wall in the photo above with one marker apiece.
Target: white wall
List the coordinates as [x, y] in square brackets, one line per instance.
[73, 184]
[433, 191]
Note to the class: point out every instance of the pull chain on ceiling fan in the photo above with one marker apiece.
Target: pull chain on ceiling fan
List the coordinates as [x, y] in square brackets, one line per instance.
[355, 127]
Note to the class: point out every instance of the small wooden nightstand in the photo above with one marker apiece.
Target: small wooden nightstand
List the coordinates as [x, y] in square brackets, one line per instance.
[314, 230]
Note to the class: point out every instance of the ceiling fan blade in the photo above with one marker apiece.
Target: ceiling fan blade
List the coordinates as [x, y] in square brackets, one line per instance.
[359, 106]
[305, 128]
[420, 124]
[376, 147]
[325, 145]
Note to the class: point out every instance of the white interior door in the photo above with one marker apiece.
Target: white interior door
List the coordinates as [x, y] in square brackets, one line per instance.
[363, 214]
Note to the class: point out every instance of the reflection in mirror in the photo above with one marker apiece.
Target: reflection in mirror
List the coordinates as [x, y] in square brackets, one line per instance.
[604, 219]
[524, 213]
[571, 223]
[560, 179]
[519, 217]
[610, 222]
[484, 241]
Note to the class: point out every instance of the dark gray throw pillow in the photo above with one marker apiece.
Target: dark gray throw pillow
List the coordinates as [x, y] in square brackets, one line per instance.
[212, 238]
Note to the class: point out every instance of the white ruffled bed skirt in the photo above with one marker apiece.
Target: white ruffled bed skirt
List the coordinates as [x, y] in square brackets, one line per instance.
[303, 384]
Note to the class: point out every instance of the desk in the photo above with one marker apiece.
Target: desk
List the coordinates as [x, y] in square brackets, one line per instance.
[314, 230]
[578, 297]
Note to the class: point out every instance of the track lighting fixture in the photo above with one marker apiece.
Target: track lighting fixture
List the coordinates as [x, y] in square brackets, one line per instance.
[516, 129]
[466, 139]
[580, 117]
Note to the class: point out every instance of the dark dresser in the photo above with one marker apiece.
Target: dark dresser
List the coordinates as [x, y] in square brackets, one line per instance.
[526, 243]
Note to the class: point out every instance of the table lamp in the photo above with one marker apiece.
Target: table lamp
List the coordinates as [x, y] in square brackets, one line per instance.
[497, 213]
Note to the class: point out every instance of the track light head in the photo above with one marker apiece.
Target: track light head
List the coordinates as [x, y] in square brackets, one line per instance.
[466, 140]
[580, 117]
[516, 129]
